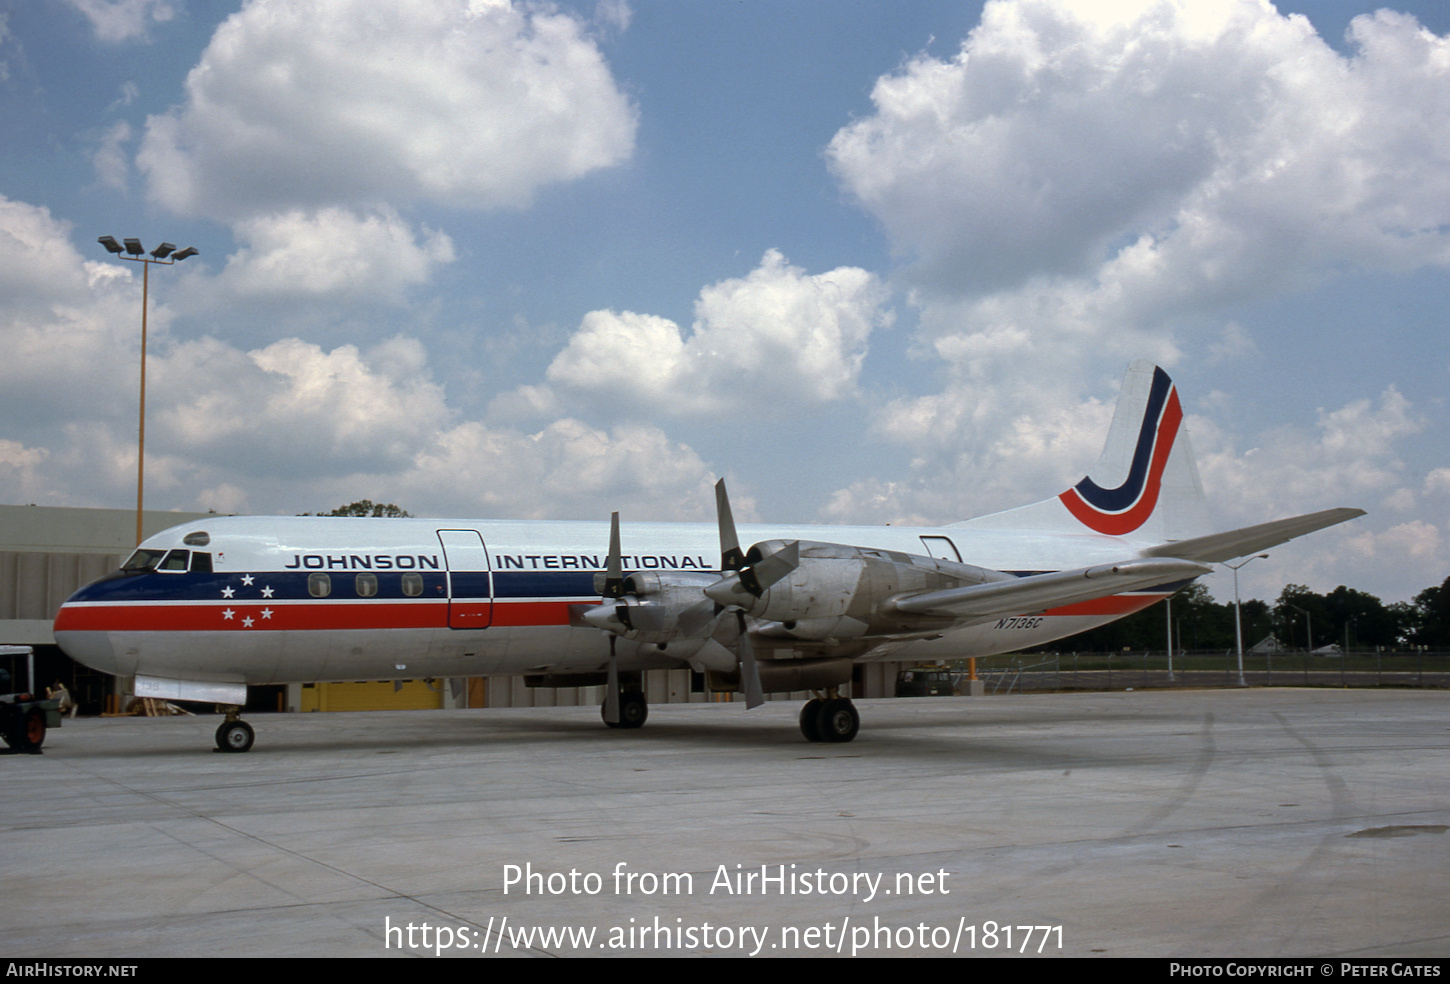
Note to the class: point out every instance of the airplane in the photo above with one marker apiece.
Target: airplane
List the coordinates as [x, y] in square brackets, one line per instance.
[206, 608]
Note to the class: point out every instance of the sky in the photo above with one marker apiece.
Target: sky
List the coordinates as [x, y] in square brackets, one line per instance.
[873, 262]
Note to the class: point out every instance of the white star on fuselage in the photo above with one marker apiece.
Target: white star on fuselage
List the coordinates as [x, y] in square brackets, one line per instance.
[228, 592]
[267, 592]
[247, 580]
[228, 613]
[266, 613]
[247, 622]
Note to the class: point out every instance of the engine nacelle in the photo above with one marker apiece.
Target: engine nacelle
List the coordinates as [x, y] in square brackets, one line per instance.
[653, 605]
[836, 590]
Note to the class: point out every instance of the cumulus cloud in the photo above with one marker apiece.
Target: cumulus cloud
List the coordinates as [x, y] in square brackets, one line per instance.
[37, 261]
[323, 102]
[1082, 184]
[778, 338]
[566, 470]
[333, 253]
[291, 407]
[110, 161]
[1352, 457]
[124, 20]
[1158, 147]
[65, 323]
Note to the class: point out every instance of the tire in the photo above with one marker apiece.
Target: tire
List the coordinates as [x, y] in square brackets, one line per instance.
[234, 736]
[837, 721]
[810, 710]
[28, 733]
[34, 729]
[633, 710]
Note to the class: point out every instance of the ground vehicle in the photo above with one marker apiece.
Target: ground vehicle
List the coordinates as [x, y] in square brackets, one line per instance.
[24, 717]
[925, 681]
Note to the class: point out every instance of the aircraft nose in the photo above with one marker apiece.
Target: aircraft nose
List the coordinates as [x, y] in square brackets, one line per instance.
[91, 647]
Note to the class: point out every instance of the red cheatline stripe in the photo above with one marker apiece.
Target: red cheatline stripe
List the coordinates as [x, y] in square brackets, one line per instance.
[1112, 605]
[321, 615]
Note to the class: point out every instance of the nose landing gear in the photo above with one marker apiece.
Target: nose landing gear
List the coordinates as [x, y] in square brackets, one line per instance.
[234, 734]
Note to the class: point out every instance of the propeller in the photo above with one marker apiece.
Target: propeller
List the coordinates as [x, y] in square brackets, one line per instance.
[748, 577]
[751, 574]
[611, 619]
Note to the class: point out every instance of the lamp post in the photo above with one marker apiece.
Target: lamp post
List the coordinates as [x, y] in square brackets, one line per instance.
[1308, 628]
[1238, 621]
[1169, 603]
[166, 254]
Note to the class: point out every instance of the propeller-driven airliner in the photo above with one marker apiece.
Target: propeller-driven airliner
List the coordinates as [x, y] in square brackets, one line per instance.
[204, 609]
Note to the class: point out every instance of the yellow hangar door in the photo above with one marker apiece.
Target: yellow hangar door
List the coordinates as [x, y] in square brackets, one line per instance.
[373, 695]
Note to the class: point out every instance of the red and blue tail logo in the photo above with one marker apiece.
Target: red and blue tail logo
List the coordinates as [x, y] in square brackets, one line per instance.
[1122, 510]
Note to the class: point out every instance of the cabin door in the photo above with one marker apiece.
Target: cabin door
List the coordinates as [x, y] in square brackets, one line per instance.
[470, 584]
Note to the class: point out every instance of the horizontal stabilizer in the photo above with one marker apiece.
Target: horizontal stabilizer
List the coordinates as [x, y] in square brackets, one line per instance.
[1218, 547]
[1038, 592]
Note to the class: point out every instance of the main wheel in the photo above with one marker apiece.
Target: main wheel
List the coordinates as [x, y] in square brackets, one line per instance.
[810, 710]
[234, 736]
[633, 710]
[837, 720]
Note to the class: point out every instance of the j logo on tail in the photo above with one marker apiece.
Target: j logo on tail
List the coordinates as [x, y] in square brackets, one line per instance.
[1122, 510]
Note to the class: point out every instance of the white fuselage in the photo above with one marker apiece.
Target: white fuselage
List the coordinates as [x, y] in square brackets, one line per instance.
[265, 600]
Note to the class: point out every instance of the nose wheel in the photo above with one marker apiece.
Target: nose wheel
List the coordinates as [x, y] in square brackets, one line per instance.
[234, 734]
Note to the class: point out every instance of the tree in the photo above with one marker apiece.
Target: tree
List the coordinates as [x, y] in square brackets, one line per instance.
[1430, 617]
[367, 508]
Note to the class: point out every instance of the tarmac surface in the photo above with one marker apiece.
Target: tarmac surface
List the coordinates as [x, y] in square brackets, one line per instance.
[1229, 823]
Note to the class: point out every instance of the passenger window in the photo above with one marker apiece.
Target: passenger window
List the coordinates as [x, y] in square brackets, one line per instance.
[176, 560]
[412, 585]
[367, 585]
[319, 585]
[200, 562]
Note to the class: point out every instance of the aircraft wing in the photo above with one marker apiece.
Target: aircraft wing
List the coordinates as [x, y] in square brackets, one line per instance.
[1218, 547]
[1038, 592]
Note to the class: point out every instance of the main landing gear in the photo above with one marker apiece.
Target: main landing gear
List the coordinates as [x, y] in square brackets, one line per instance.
[633, 711]
[830, 719]
[234, 734]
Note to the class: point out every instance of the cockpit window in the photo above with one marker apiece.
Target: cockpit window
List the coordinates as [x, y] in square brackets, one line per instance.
[200, 562]
[143, 560]
[197, 539]
[176, 560]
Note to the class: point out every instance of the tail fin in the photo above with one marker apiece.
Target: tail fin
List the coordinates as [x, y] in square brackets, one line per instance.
[1145, 485]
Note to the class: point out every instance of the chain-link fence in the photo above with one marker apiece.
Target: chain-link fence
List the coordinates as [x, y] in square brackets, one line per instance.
[1125, 671]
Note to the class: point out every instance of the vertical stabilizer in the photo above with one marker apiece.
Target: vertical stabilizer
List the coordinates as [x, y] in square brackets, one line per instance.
[1145, 485]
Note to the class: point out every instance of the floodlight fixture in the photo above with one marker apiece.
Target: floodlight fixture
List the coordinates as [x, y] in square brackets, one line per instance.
[183, 254]
[134, 247]
[110, 243]
[163, 251]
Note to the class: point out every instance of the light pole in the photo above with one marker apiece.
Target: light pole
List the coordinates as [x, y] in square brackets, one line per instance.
[1169, 603]
[1238, 620]
[1308, 628]
[166, 254]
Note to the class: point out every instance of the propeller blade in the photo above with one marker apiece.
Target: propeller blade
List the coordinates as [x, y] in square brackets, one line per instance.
[611, 691]
[749, 672]
[694, 619]
[743, 588]
[731, 556]
[771, 568]
[611, 585]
